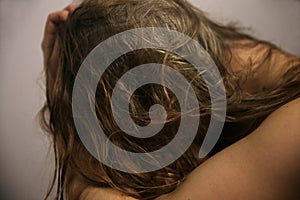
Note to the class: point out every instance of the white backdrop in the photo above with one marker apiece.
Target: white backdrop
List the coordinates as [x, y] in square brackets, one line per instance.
[25, 165]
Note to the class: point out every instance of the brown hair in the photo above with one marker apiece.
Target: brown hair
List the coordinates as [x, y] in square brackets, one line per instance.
[94, 21]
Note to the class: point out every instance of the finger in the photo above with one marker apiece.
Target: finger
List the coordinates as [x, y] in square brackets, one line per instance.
[53, 57]
[51, 28]
[71, 7]
[53, 20]
[59, 16]
[51, 64]
[55, 51]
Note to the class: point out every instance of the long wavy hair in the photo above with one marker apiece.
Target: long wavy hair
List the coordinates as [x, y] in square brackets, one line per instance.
[96, 20]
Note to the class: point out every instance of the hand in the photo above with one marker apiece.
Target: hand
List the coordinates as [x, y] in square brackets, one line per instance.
[50, 46]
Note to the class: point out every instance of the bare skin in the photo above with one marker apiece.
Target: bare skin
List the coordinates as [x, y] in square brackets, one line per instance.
[263, 165]
[50, 45]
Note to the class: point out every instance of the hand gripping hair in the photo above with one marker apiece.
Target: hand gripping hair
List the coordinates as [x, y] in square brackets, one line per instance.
[95, 21]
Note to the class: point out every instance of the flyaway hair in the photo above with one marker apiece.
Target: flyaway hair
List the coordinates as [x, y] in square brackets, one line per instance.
[96, 20]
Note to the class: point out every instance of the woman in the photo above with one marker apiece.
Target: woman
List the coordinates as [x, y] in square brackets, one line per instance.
[262, 86]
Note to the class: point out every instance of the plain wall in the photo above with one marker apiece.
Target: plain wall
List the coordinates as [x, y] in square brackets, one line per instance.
[25, 164]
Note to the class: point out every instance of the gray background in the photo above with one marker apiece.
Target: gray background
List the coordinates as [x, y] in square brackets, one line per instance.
[25, 165]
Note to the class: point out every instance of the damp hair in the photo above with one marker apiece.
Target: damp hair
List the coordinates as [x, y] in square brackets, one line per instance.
[96, 20]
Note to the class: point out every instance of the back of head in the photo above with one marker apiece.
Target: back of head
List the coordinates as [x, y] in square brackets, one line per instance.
[90, 24]
[93, 22]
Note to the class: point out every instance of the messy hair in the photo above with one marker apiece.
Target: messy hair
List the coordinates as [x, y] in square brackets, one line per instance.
[96, 20]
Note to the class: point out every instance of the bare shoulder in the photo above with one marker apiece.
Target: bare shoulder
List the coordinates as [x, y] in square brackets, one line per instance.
[80, 190]
[93, 193]
[288, 112]
[283, 126]
[263, 165]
